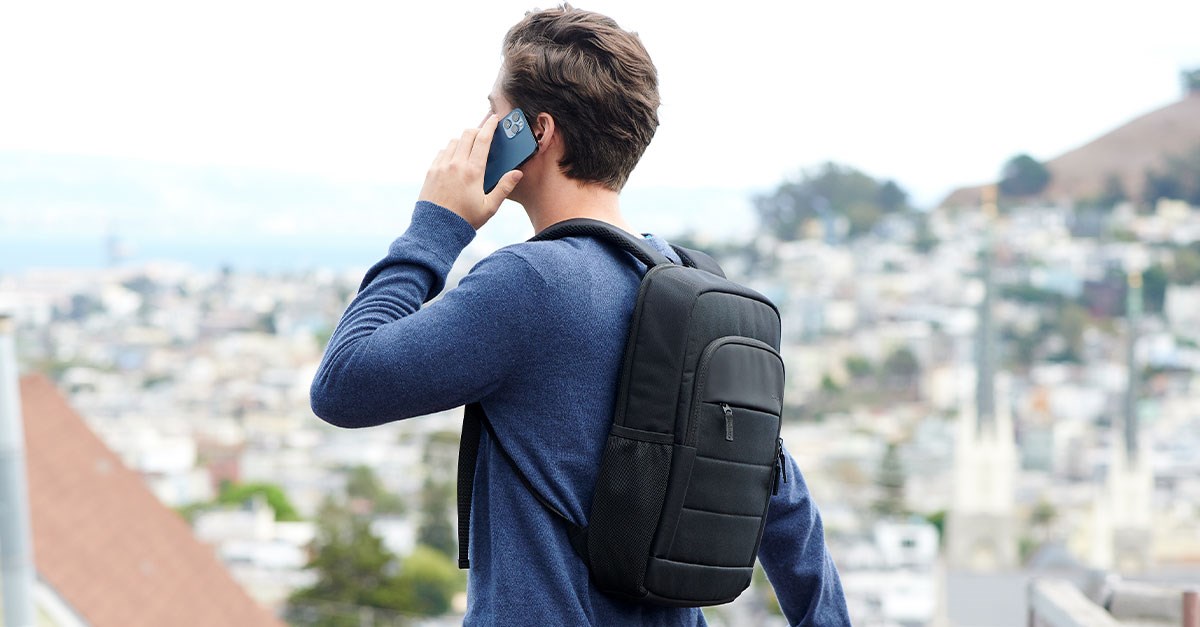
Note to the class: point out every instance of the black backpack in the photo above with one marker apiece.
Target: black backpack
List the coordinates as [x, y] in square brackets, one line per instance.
[694, 453]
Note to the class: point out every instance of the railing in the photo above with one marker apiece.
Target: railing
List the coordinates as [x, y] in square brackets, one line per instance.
[1058, 603]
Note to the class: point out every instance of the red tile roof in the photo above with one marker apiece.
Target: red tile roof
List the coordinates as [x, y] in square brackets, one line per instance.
[105, 543]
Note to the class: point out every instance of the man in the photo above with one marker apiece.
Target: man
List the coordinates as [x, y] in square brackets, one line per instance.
[536, 333]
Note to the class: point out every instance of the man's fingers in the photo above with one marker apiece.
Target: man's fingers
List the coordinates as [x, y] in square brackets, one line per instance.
[455, 178]
[507, 183]
[483, 139]
[463, 151]
[446, 153]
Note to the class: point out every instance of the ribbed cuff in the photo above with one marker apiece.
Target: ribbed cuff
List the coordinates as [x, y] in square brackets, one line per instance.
[438, 230]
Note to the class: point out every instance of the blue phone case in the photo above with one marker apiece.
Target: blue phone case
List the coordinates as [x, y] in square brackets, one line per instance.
[512, 145]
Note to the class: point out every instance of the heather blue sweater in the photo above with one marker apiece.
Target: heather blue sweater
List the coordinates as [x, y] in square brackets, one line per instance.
[535, 332]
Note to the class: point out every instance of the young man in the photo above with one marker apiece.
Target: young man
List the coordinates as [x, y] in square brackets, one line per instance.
[536, 333]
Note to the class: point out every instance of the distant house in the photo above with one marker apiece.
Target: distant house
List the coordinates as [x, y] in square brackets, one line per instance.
[106, 551]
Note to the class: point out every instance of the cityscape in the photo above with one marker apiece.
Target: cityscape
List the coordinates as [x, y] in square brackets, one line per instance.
[994, 402]
[940, 445]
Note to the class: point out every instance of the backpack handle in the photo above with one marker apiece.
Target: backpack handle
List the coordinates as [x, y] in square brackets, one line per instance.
[639, 248]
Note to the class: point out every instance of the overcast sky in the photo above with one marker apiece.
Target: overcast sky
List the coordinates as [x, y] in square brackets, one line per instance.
[931, 93]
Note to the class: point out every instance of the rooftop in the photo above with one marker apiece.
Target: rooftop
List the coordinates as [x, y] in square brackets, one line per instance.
[104, 543]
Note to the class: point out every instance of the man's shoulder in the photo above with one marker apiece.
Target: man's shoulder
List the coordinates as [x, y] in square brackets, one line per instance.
[568, 259]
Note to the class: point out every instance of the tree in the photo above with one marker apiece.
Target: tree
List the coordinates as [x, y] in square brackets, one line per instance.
[938, 520]
[435, 529]
[1191, 80]
[351, 563]
[1042, 517]
[902, 364]
[892, 198]
[237, 493]
[356, 571]
[362, 483]
[925, 240]
[1159, 186]
[825, 193]
[1186, 171]
[321, 336]
[1070, 323]
[1154, 288]
[858, 366]
[1023, 176]
[427, 582]
[1113, 194]
[1186, 267]
[1179, 179]
[1043, 513]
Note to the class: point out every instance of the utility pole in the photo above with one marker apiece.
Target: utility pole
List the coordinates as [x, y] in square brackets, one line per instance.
[16, 546]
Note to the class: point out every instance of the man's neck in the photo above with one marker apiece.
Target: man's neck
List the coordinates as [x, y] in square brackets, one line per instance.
[566, 199]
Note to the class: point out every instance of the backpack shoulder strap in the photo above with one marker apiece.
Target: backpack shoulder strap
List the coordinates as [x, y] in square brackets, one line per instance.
[588, 227]
[474, 421]
[635, 246]
[468, 453]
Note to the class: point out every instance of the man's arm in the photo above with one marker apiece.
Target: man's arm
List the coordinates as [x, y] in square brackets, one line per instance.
[391, 359]
[794, 557]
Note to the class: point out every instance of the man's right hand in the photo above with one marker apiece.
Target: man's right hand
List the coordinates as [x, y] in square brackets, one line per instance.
[455, 180]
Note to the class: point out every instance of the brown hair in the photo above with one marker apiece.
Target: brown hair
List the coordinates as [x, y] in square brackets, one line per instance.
[597, 82]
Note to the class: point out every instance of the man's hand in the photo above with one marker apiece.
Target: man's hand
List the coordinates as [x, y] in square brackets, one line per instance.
[455, 180]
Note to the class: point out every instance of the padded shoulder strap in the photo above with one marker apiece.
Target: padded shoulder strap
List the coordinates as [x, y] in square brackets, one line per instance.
[637, 247]
[698, 260]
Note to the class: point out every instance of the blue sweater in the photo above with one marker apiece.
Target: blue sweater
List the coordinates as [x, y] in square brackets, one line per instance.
[535, 332]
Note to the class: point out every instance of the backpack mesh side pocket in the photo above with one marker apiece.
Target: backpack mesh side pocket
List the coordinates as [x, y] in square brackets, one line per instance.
[626, 507]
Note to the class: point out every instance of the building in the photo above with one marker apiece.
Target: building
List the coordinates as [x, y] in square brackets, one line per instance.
[981, 533]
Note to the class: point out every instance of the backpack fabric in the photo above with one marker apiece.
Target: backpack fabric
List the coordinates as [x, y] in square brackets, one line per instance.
[694, 453]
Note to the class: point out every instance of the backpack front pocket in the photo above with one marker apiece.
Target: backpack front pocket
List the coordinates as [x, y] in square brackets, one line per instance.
[734, 431]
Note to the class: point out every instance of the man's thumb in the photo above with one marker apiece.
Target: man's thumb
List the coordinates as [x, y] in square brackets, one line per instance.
[505, 187]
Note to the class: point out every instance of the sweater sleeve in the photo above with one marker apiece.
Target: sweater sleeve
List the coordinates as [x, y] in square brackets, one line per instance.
[794, 556]
[390, 358]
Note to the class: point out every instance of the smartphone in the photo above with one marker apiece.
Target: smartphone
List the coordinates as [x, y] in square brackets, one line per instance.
[512, 145]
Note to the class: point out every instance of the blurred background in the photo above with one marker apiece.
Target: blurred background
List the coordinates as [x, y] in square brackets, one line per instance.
[981, 222]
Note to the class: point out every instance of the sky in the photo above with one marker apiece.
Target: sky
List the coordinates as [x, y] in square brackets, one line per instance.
[934, 94]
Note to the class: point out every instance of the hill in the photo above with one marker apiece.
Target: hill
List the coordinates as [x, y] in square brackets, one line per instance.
[1128, 151]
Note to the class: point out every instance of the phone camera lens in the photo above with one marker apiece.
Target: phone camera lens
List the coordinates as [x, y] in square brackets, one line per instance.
[507, 123]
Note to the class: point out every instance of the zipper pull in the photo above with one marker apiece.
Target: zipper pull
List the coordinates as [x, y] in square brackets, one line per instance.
[728, 421]
[780, 467]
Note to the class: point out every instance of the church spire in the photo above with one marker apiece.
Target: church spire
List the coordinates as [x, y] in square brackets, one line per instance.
[1133, 315]
[985, 341]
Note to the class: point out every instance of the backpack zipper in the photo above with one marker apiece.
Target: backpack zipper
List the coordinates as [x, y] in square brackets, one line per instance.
[780, 467]
[728, 421]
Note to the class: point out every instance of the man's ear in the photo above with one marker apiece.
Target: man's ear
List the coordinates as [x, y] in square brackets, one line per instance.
[544, 130]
